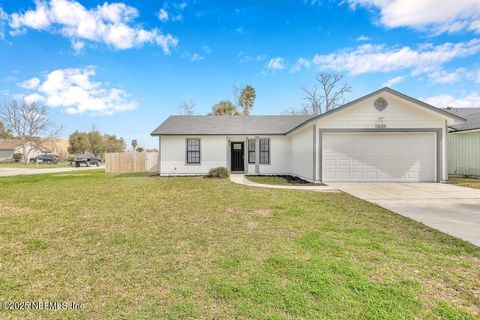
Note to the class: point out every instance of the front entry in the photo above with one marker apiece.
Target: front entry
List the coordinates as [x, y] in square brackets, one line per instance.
[238, 163]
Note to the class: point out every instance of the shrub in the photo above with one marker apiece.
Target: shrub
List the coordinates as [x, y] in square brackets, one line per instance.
[17, 156]
[219, 172]
[71, 158]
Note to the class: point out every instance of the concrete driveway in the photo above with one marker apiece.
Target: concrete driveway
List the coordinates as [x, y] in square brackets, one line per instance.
[450, 209]
[8, 172]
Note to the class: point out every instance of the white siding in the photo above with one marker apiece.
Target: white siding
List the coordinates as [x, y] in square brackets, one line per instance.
[279, 156]
[464, 153]
[213, 153]
[301, 146]
[400, 113]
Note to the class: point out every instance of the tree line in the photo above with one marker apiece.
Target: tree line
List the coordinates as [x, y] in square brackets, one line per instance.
[94, 142]
[328, 92]
[29, 122]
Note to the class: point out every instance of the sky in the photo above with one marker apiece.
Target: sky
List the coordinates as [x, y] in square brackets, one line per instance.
[125, 66]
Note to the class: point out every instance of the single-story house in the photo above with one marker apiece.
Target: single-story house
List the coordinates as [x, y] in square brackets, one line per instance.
[383, 136]
[464, 143]
[8, 147]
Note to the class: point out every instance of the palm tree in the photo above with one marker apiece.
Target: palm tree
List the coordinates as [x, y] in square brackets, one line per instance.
[224, 108]
[247, 99]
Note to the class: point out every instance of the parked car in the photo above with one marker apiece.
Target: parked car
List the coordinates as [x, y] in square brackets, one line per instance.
[45, 158]
[87, 159]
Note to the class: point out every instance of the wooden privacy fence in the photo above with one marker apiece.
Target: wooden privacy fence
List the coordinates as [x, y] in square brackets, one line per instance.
[131, 162]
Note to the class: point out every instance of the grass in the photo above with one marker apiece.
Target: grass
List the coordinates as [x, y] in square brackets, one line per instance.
[464, 182]
[134, 247]
[33, 165]
[277, 180]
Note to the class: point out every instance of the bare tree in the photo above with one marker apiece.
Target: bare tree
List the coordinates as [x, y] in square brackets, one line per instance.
[237, 96]
[314, 101]
[187, 108]
[328, 93]
[29, 122]
[304, 110]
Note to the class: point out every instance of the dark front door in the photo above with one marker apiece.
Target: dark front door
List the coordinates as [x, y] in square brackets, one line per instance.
[237, 156]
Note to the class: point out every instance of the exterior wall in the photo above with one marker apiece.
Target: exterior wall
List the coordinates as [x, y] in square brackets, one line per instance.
[213, 153]
[399, 114]
[301, 146]
[279, 156]
[464, 153]
[6, 155]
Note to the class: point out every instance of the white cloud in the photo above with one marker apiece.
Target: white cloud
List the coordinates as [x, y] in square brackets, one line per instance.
[181, 5]
[393, 81]
[34, 97]
[196, 57]
[110, 23]
[443, 76]
[177, 17]
[3, 19]
[30, 84]
[363, 38]
[433, 15]
[73, 90]
[192, 56]
[246, 58]
[78, 45]
[207, 49]
[163, 15]
[276, 64]
[378, 58]
[301, 63]
[478, 77]
[442, 101]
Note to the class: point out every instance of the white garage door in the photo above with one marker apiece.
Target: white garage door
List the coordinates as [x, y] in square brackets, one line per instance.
[407, 157]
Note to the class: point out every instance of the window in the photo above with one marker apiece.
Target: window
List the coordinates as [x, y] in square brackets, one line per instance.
[193, 151]
[251, 150]
[265, 151]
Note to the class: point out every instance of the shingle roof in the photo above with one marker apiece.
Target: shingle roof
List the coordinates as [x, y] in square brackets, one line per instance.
[9, 144]
[229, 125]
[472, 115]
[253, 125]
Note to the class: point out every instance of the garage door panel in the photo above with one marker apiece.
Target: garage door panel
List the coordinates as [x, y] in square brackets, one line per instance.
[408, 157]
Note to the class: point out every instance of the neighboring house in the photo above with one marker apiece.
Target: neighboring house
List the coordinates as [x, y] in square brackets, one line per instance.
[464, 143]
[383, 136]
[8, 147]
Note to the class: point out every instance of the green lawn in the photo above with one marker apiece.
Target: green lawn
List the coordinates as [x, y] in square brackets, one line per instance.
[32, 165]
[463, 182]
[134, 247]
[276, 180]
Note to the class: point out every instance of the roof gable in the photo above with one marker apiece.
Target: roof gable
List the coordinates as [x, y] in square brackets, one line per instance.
[395, 93]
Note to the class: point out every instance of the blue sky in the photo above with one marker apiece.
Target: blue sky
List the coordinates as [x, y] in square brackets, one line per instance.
[125, 66]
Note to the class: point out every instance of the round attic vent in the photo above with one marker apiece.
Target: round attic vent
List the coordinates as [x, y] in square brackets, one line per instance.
[380, 104]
